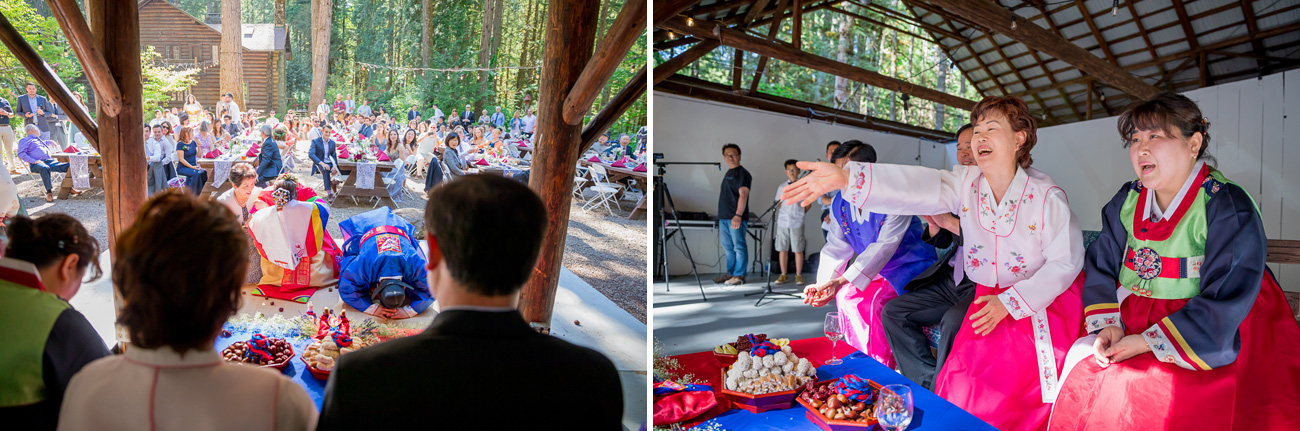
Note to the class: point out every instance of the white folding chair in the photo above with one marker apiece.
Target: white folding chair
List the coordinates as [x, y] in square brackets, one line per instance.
[606, 191]
[578, 180]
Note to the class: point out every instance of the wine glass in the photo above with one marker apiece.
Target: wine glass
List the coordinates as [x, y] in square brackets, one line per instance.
[834, 329]
[894, 407]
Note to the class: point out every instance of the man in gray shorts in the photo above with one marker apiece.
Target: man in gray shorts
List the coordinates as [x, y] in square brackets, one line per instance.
[789, 228]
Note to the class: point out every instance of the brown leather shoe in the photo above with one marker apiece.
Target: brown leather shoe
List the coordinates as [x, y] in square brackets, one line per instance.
[721, 279]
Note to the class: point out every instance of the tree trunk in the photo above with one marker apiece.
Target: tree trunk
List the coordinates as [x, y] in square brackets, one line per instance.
[842, 56]
[426, 32]
[498, 13]
[232, 56]
[943, 81]
[279, 13]
[322, 13]
[521, 77]
[485, 51]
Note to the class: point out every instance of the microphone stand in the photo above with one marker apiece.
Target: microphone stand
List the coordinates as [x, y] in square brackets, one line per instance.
[767, 290]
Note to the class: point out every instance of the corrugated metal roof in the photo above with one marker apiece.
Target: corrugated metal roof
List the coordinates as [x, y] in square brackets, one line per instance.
[260, 37]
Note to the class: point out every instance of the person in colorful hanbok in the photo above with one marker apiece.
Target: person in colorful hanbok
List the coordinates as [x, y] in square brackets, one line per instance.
[298, 254]
[383, 266]
[1189, 329]
[887, 252]
[1023, 249]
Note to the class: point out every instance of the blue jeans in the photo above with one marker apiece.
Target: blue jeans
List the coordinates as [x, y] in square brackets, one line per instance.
[51, 166]
[734, 246]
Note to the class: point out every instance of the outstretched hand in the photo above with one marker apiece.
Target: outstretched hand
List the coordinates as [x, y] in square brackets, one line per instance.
[824, 177]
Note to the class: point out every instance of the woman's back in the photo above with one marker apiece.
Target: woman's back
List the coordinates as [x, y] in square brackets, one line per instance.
[161, 389]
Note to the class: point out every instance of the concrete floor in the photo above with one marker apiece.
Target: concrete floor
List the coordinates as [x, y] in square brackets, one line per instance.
[600, 325]
[684, 323]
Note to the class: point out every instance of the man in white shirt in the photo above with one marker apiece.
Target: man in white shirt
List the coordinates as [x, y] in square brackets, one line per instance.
[789, 228]
[323, 109]
[530, 122]
[153, 152]
[232, 108]
[349, 106]
[437, 113]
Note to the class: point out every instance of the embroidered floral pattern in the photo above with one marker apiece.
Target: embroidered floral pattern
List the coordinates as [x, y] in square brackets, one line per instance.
[1047, 377]
[975, 261]
[1097, 321]
[1017, 265]
[985, 208]
[1162, 348]
[1147, 263]
[860, 181]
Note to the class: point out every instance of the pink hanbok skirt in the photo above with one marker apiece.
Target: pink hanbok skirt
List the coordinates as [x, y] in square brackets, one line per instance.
[996, 376]
[861, 309]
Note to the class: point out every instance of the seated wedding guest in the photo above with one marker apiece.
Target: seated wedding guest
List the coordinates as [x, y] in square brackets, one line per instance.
[382, 271]
[476, 271]
[1190, 328]
[207, 141]
[168, 145]
[32, 150]
[269, 162]
[938, 296]
[436, 174]
[324, 157]
[406, 150]
[886, 253]
[1022, 248]
[154, 147]
[297, 254]
[428, 140]
[178, 270]
[625, 141]
[451, 160]
[187, 154]
[281, 137]
[47, 341]
[241, 199]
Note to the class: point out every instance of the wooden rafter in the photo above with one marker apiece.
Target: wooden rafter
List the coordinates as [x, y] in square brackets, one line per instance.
[934, 30]
[1051, 77]
[700, 89]
[613, 47]
[1151, 49]
[668, 68]
[772, 30]
[790, 54]
[1252, 27]
[634, 89]
[68, 15]
[45, 76]
[665, 9]
[1105, 49]
[1035, 37]
[879, 23]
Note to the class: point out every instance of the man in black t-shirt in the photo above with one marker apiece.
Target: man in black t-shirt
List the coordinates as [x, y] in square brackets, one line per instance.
[733, 211]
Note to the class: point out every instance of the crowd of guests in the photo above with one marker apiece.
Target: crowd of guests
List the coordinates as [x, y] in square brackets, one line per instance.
[1170, 310]
[178, 271]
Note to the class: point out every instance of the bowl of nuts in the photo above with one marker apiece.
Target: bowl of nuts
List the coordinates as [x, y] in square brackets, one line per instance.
[260, 351]
[831, 409]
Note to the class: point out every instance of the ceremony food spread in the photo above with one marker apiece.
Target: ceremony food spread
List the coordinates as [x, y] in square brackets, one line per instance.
[259, 350]
[849, 400]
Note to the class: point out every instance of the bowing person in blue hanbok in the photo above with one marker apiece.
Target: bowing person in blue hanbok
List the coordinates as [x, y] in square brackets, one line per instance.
[383, 266]
[886, 253]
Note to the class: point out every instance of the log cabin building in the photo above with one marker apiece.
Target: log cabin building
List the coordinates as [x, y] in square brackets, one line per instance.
[183, 40]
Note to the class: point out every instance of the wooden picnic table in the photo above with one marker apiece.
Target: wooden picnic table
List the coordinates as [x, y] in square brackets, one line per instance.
[617, 174]
[380, 190]
[94, 166]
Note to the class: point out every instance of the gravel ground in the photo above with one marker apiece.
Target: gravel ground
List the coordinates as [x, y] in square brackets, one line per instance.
[608, 252]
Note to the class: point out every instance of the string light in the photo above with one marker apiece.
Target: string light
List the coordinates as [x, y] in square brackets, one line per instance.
[690, 21]
[1013, 22]
[671, 35]
[1114, 8]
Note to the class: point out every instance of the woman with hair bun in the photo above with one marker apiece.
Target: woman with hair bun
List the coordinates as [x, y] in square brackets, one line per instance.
[1190, 329]
[46, 340]
[298, 255]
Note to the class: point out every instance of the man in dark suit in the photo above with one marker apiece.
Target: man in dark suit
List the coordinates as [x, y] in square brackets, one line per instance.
[268, 159]
[36, 110]
[939, 296]
[467, 119]
[324, 155]
[412, 114]
[479, 362]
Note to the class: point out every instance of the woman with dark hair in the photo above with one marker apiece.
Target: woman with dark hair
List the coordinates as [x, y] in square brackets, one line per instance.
[187, 153]
[1022, 247]
[1190, 328]
[176, 295]
[297, 254]
[46, 341]
[242, 200]
[168, 151]
[865, 263]
[407, 149]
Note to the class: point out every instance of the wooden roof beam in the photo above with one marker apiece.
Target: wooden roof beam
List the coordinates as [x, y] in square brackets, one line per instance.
[1252, 27]
[665, 9]
[912, 20]
[772, 30]
[634, 89]
[789, 54]
[700, 89]
[1105, 49]
[613, 47]
[1035, 37]
[668, 68]
[873, 21]
[68, 15]
[45, 76]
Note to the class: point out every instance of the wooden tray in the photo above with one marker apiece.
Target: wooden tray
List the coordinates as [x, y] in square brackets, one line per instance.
[759, 403]
[829, 424]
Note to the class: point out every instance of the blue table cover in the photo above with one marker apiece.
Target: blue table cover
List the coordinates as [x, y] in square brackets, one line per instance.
[929, 412]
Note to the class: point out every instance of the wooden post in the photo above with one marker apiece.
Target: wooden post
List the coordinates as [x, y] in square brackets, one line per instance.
[115, 25]
[570, 36]
[74, 27]
[797, 32]
[1089, 115]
